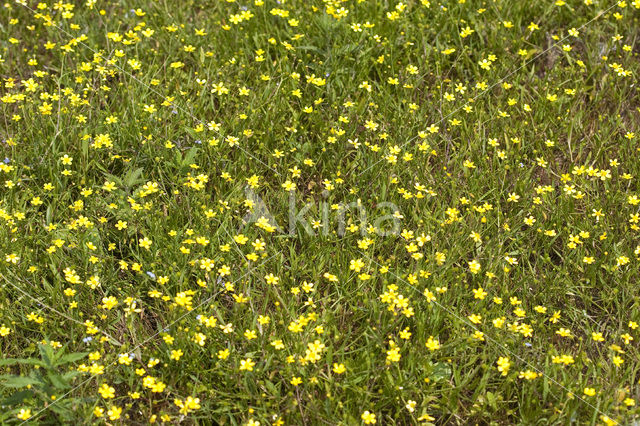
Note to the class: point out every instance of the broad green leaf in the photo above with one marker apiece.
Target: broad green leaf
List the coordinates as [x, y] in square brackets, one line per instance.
[19, 381]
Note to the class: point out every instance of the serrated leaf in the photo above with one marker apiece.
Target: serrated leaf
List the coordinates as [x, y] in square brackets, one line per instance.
[47, 355]
[134, 177]
[70, 375]
[441, 371]
[19, 381]
[13, 361]
[73, 357]
[17, 398]
[57, 381]
[191, 154]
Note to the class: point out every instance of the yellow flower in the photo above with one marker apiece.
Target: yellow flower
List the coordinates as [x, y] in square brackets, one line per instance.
[24, 414]
[271, 279]
[503, 365]
[247, 364]
[339, 368]
[474, 266]
[528, 375]
[479, 293]
[432, 344]
[368, 418]
[109, 302]
[114, 412]
[145, 243]
[107, 391]
[187, 405]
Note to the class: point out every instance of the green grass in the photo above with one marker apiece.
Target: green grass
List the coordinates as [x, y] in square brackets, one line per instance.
[504, 134]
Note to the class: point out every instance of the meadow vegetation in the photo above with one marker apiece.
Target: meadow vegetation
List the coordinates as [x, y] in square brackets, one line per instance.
[151, 153]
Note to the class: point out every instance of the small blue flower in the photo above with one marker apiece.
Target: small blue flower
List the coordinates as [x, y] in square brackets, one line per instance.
[151, 275]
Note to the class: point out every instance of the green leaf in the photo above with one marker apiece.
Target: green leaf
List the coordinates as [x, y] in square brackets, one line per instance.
[62, 408]
[17, 398]
[111, 177]
[57, 381]
[191, 154]
[271, 388]
[441, 371]
[311, 48]
[70, 375]
[13, 361]
[491, 399]
[133, 177]
[20, 381]
[85, 148]
[47, 355]
[8, 361]
[73, 357]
